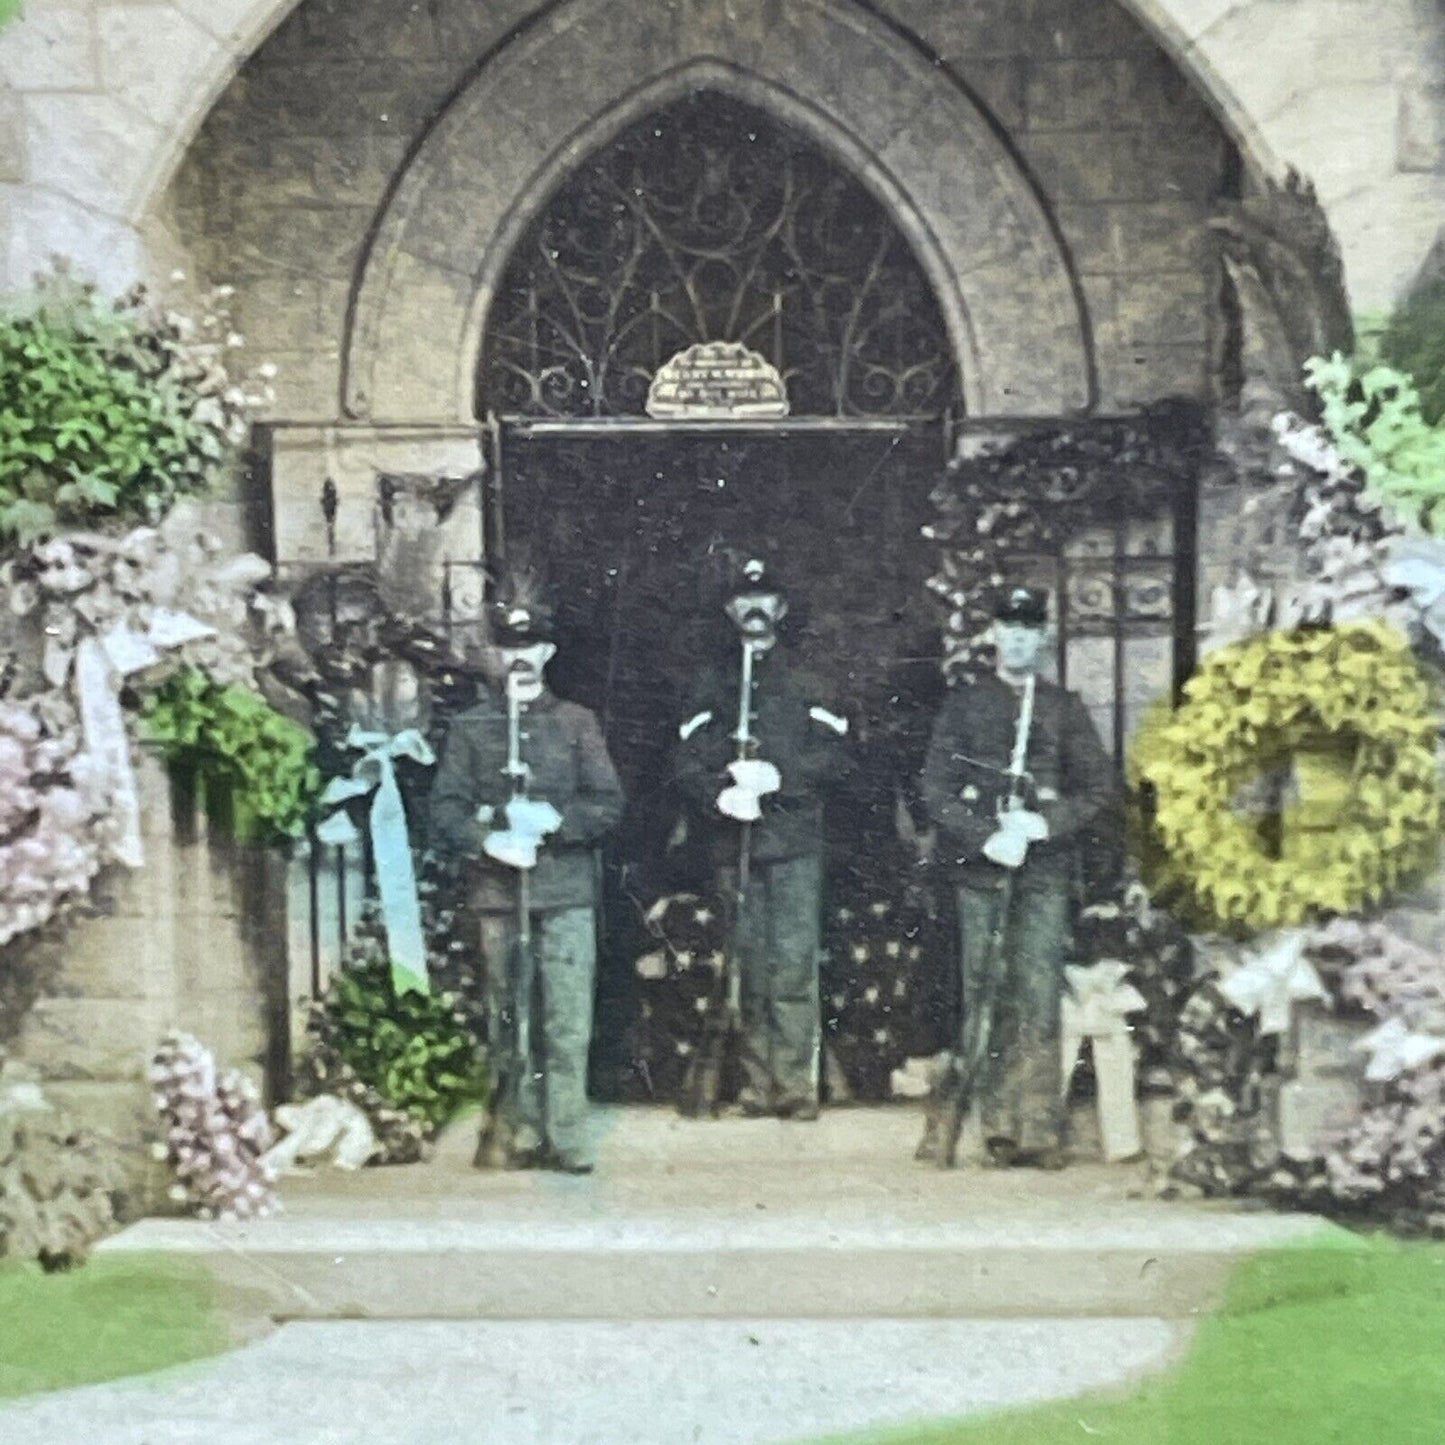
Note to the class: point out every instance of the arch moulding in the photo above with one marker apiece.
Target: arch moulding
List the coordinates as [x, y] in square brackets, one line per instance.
[576, 78]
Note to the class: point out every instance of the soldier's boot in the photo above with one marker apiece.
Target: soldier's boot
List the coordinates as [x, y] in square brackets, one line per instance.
[927, 1149]
[492, 1145]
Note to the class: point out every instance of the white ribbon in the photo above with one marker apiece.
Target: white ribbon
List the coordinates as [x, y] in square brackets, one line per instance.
[1417, 564]
[374, 772]
[101, 664]
[1099, 999]
[1394, 1049]
[1273, 975]
[1096, 1008]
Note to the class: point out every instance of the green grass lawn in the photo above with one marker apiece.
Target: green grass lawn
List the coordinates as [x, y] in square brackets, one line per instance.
[1326, 1344]
[117, 1315]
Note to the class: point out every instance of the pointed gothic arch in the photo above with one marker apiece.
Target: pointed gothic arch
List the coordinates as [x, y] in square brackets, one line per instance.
[709, 221]
[837, 74]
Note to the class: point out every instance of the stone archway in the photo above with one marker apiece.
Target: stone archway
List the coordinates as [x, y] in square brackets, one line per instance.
[994, 258]
[99, 103]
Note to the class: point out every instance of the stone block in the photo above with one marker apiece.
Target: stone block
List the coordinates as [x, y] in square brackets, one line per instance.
[120, 958]
[1420, 129]
[1342, 136]
[1313, 1117]
[1137, 375]
[121, 1110]
[238, 24]
[231, 1024]
[91, 1038]
[1163, 162]
[1075, 95]
[992, 28]
[45, 224]
[466, 30]
[1164, 308]
[307, 383]
[51, 46]
[323, 172]
[330, 30]
[1081, 28]
[1000, 84]
[1386, 229]
[363, 97]
[1193, 17]
[1075, 167]
[13, 150]
[1092, 235]
[91, 147]
[302, 458]
[259, 300]
[277, 240]
[152, 56]
[1162, 236]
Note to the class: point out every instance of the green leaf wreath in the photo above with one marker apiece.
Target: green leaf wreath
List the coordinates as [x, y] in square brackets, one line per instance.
[242, 747]
[418, 1051]
[1248, 711]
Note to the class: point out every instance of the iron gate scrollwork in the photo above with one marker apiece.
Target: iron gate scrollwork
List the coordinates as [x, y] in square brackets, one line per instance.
[709, 221]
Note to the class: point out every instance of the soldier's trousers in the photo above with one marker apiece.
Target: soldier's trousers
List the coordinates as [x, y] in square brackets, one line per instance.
[1020, 1096]
[777, 946]
[551, 1103]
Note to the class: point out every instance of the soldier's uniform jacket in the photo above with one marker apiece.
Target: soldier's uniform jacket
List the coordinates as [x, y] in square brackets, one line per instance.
[964, 776]
[571, 769]
[793, 728]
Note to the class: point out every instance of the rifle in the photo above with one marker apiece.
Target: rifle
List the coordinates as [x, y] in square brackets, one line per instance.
[724, 1019]
[964, 1070]
[521, 966]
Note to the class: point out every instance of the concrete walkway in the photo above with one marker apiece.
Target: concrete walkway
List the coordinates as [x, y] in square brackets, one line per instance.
[716, 1382]
[724, 1283]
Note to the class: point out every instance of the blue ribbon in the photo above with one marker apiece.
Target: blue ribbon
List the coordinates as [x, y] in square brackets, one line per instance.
[374, 772]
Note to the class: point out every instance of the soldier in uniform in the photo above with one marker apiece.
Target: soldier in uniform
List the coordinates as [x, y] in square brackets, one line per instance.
[572, 801]
[988, 828]
[794, 751]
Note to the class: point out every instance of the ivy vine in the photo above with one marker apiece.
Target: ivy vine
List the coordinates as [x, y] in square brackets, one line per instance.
[112, 408]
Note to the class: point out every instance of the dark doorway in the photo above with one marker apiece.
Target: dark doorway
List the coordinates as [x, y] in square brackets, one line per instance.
[631, 526]
[712, 221]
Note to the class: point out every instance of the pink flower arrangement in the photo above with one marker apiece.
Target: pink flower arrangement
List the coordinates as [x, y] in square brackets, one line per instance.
[54, 821]
[216, 1133]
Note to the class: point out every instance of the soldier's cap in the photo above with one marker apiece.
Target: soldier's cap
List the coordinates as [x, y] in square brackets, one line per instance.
[521, 624]
[752, 577]
[1027, 605]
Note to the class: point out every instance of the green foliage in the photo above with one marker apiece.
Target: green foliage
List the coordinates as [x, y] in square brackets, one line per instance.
[242, 746]
[1248, 710]
[110, 408]
[1374, 418]
[1413, 341]
[416, 1050]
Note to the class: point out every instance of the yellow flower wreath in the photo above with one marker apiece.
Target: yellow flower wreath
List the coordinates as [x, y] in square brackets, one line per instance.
[1250, 709]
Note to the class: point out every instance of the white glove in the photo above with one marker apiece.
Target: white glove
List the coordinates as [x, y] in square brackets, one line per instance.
[740, 804]
[1019, 827]
[756, 776]
[1034, 826]
[1008, 848]
[534, 816]
[513, 849]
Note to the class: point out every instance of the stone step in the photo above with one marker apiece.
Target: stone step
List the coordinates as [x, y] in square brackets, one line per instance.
[730, 1219]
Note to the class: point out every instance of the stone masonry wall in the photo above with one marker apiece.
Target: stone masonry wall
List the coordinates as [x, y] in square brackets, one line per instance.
[286, 176]
[186, 941]
[99, 100]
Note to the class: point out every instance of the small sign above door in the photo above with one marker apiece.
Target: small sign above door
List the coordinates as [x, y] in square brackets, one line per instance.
[717, 380]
